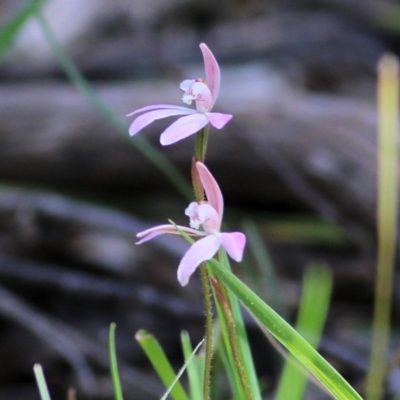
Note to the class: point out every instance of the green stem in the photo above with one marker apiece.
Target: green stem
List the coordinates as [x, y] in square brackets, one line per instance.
[208, 333]
[201, 144]
[223, 300]
[388, 102]
[200, 154]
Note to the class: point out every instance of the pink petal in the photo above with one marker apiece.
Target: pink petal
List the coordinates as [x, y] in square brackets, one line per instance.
[161, 229]
[218, 120]
[183, 128]
[234, 243]
[202, 250]
[156, 107]
[146, 119]
[213, 75]
[212, 190]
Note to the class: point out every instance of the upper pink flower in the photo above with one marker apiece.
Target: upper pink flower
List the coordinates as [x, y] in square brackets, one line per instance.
[207, 215]
[203, 92]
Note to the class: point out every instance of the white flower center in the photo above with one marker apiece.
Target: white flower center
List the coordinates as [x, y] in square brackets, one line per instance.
[203, 214]
[196, 90]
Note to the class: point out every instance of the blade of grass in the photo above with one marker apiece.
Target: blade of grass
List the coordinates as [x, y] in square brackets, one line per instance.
[114, 365]
[195, 369]
[317, 288]
[285, 334]
[41, 382]
[181, 371]
[141, 144]
[10, 31]
[388, 103]
[160, 363]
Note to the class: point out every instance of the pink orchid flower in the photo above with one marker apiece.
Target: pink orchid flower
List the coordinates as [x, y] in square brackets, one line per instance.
[208, 215]
[203, 92]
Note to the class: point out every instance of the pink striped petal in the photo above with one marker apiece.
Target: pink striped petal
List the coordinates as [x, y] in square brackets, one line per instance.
[234, 243]
[202, 250]
[213, 75]
[157, 107]
[146, 119]
[183, 128]
[212, 190]
[151, 233]
[218, 120]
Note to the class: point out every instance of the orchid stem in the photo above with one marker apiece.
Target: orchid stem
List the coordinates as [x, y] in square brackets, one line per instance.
[223, 301]
[200, 155]
[201, 144]
[208, 333]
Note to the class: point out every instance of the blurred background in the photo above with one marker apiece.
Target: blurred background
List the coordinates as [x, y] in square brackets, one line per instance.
[297, 166]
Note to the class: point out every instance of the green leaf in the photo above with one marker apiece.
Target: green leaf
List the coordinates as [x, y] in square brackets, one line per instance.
[10, 31]
[388, 128]
[195, 368]
[113, 364]
[285, 334]
[41, 382]
[314, 305]
[160, 363]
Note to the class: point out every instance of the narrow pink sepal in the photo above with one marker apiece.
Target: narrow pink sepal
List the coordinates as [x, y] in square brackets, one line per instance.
[146, 119]
[157, 107]
[234, 243]
[183, 128]
[151, 233]
[213, 74]
[202, 250]
[212, 190]
[219, 120]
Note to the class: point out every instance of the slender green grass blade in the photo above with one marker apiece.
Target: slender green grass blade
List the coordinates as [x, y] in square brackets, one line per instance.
[141, 144]
[306, 230]
[317, 288]
[114, 365]
[195, 369]
[181, 371]
[160, 363]
[285, 334]
[11, 29]
[388, 105]
[41, 382]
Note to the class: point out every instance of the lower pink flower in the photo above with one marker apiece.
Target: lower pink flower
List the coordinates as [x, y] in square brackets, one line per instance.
[207, 215]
